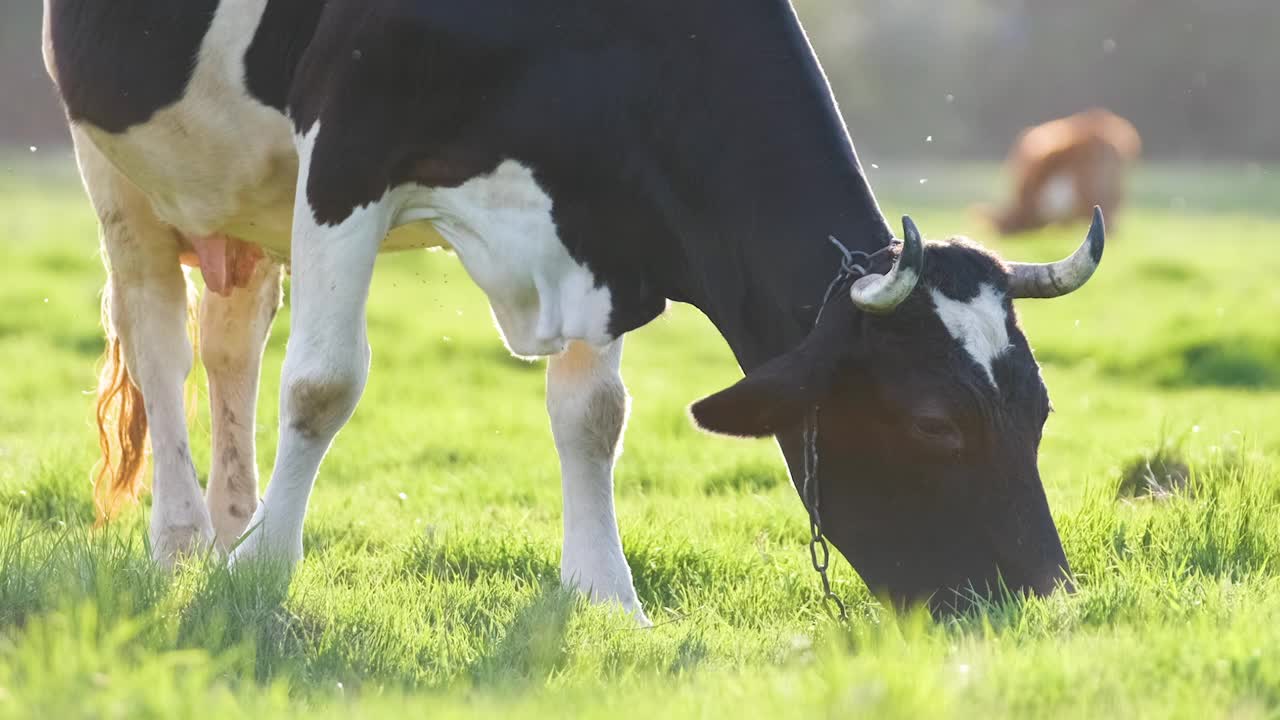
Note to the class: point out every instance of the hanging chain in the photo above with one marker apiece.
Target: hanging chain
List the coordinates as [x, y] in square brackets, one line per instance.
[818, 541]
[819, 550]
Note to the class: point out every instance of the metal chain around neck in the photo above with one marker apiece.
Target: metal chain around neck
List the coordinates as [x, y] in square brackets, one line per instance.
[853, 264]
[811, 497]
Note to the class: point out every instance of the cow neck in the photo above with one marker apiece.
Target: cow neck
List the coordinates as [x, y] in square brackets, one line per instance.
[784, 177]
[765, 294]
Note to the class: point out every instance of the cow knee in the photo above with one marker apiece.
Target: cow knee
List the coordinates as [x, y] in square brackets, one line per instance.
[317, 404]
[606, 411]
[594, 417]
[588, 407]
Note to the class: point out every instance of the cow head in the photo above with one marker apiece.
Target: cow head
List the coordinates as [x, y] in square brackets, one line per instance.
[930, 411]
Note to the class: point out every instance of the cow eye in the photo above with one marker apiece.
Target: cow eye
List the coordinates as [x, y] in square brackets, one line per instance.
[937, 433]
[934, 426]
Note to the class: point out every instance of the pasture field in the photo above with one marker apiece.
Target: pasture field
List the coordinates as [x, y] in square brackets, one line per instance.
[430, 584]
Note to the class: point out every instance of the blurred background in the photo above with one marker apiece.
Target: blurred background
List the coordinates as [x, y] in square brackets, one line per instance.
[1200, 80]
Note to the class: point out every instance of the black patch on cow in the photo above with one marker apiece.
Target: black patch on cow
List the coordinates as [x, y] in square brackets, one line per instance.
[119, 63]
[283, 35]
[959, 268]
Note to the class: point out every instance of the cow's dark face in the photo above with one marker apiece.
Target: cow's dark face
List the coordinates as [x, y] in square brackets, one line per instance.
[929, 437]
[930, 412]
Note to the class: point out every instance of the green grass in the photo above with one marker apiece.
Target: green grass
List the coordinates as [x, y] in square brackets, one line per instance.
[444, 602]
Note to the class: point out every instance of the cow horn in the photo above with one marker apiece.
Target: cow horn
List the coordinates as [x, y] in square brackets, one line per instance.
[880, 294]
[1050, 280]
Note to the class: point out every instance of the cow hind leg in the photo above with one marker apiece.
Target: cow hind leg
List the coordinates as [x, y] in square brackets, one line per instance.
[587, 402]
[148, 314]
[233, 334]
[145, 313]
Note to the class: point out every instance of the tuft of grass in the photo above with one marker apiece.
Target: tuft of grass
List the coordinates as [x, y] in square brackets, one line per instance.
[49, 497]
[1158, 473]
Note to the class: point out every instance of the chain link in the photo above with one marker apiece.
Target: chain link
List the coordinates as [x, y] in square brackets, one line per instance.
[812, 498]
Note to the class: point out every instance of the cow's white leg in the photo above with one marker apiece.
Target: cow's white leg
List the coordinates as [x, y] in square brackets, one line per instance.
[233, 333]
[587, 403]
[326, 364]
[147, 309]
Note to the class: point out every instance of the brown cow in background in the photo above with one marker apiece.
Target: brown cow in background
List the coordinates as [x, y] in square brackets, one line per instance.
[1065, 167]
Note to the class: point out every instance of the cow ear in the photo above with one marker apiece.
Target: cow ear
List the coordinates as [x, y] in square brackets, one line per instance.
[759, 405]
[775, 396]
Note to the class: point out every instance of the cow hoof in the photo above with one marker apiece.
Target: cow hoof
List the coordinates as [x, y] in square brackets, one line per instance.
[259, 546]
[284, 558]
[637, 614]
[626, 599]
[631, 607]
[230, 520]
[171, 543]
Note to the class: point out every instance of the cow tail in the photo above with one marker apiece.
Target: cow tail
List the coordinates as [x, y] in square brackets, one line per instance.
[118, 477]
[122, 428]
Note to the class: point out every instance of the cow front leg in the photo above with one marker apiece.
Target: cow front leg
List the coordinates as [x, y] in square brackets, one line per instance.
[587, 403]
[325, 367]
[233, 334]
[146, 313]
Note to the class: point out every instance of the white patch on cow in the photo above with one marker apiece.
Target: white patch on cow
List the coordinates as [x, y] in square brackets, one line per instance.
[501, 227]
[980, 325]
[1057, 198]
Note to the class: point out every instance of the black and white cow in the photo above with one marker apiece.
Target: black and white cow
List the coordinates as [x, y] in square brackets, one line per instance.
[587, 162]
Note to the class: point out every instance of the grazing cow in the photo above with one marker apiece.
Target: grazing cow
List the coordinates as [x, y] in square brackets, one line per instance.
[587, 162]
[1065, 167]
